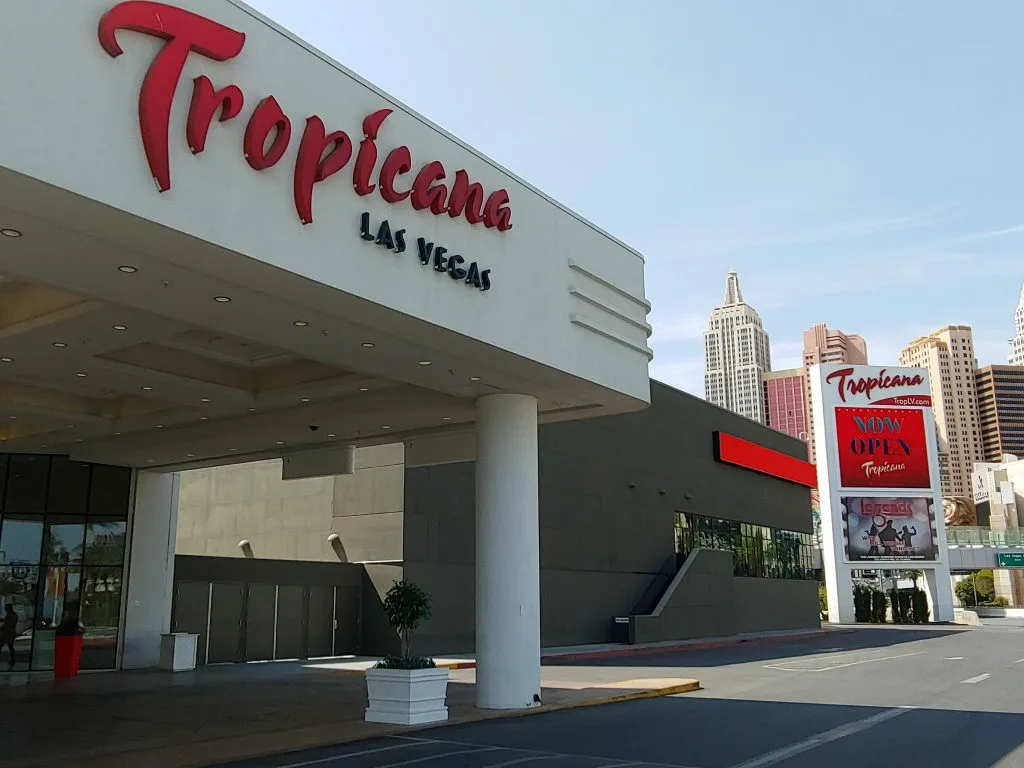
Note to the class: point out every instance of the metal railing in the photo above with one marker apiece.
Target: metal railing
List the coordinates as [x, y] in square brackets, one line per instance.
[976, 536]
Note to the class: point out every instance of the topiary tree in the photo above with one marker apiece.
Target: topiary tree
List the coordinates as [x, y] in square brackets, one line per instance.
[406, 606]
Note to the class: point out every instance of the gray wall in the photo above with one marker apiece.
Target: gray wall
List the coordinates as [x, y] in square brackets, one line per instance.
[710, 602]
[602, 541]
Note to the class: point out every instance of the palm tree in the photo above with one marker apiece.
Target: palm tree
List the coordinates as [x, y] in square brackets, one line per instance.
[913, 574]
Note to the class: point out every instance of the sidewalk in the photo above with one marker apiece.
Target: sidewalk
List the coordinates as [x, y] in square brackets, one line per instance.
[224, 713]
[219, 714]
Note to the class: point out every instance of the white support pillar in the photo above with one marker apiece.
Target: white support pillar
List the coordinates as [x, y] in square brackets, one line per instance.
[150, 568]
[938, 587]
[507, 553]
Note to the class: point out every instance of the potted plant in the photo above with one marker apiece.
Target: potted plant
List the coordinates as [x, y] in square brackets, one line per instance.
[406, 689]
[67, 650]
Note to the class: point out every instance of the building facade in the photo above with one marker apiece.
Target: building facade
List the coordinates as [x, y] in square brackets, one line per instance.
[1017, 344]
[736, 355]
[785, 402]
[948, 354]
[1001, 410]
[228, 248]
[828, 345]
[625, 502]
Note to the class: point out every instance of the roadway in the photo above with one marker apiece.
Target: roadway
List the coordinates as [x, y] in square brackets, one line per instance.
[894, 696]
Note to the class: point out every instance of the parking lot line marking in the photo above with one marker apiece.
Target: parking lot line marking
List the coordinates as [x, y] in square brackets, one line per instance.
[954, 658]
[527, 759]
[1018, 661]
[335, 758]
[538, 752]
[976, 679]
[838, 666]
[784, 753]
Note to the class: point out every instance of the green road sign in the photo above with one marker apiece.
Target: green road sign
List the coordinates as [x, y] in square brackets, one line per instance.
[1010, 559]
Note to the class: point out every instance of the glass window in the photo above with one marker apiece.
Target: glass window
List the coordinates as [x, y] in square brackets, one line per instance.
[104, 541]
[69, 487]
[110, 491]
[65, 541]
[100, 616]
[18, 585]
[21, 539]
[59, 605]
[26, 484]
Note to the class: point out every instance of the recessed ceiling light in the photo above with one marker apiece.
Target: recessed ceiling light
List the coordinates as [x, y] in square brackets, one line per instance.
[232, 449]
[364, 389]
[44, 446]
[300, 323]
[147, 389]
[252, 410]
[71, 426]
[332, 435]
[128, 269]
[120, 327]
[6, 360]
[190, 455]
[424, 362]
[12, 417]
[81, 375]
[116, 434]
[385, 426]
[446, 418]
[10, 233]
[369, 344]
[204, 399]
[204, 418]
[222, 299]
[149, 461]
[305, 399]
[280, 442]
[159, 426]
[59, 344]
[474, 378]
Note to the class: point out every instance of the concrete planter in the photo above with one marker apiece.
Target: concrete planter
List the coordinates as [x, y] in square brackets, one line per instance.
[406, 696]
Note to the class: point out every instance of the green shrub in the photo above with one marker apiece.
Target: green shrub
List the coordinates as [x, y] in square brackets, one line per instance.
[878, 606]
[862, 602]
[919, 606]
[822, 601]
[897, 610]
[406, 607]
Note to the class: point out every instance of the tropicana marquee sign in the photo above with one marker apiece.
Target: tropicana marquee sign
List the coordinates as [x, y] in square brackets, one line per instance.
[269, 130]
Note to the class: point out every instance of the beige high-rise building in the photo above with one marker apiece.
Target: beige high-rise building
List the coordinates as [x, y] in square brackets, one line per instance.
[827, 345]
[948, 354]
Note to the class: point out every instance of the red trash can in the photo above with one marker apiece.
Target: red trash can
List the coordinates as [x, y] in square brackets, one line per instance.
[67, 655]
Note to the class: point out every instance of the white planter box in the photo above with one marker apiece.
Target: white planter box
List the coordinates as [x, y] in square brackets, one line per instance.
[406, 696]
[178, 652]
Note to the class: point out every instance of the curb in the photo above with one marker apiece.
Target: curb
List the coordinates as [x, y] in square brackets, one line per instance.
[632, 650]
[727, 642]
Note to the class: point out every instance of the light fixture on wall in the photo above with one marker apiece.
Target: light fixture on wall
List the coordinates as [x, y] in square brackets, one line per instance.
[246, 548]
[334, 540]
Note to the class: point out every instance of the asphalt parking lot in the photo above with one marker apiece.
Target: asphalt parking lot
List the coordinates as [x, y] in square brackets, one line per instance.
[875, 697]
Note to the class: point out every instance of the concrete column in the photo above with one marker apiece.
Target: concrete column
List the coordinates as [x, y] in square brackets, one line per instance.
[507, 553]
[938, 586]
[150, 568]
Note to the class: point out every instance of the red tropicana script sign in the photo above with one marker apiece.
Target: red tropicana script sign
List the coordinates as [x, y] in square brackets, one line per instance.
[846, 382]
[268, 132]
[882, 448]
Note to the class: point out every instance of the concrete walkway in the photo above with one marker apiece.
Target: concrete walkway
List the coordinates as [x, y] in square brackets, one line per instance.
[218, 714]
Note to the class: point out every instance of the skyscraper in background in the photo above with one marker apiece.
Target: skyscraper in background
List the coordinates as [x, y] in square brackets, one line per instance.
[736, 355]
[948, 354]
[825, 345]
[785, 402]
[1001, 410]
[1017, 345]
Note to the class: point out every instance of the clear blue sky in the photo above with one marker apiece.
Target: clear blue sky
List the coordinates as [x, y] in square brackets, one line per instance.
[859, 162]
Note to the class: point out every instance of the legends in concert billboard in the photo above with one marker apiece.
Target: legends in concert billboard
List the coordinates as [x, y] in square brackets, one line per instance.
[889, 528]
[882, 448]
